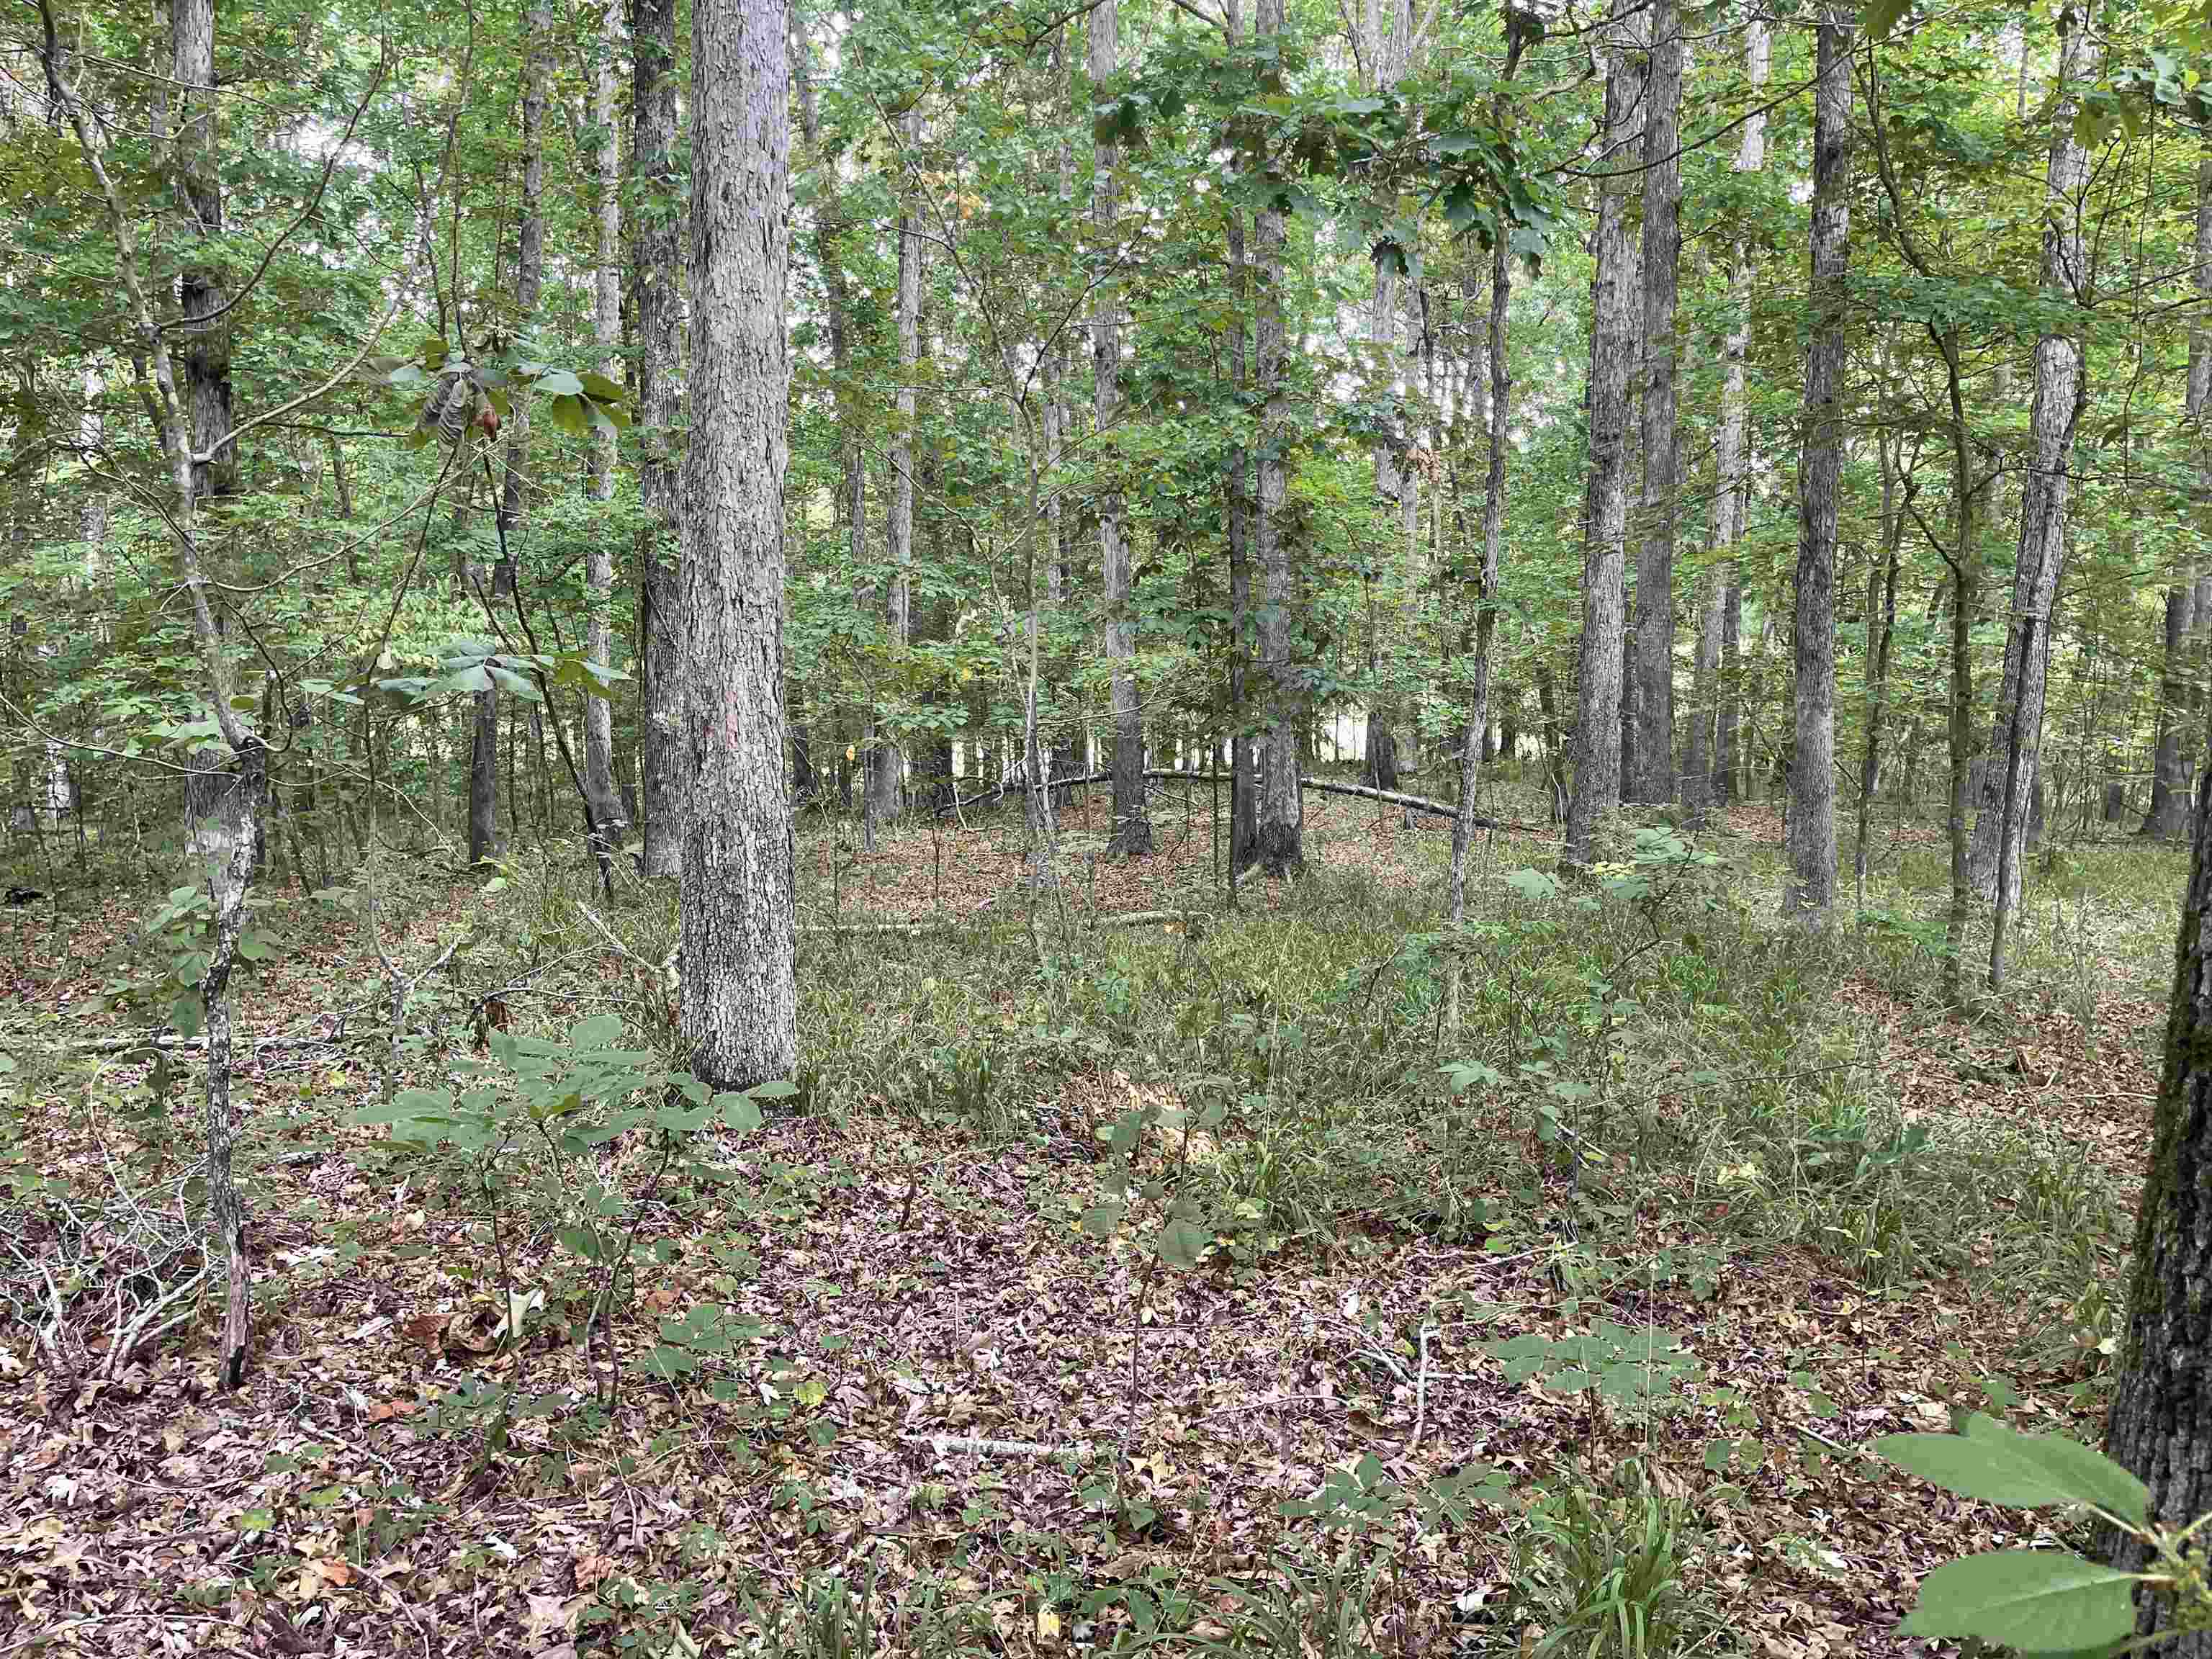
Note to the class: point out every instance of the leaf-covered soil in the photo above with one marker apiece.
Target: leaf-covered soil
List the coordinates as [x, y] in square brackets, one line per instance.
[948, 1363]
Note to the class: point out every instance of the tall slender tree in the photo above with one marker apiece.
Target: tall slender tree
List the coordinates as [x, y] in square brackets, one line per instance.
[1612, 354]
[2061, 388]
[205, 321]
[1281, 819]
[1808, 892]
[657, 209]
[1652, 753]
[1133, 822]
[599, 794]
[738, 953]
[886, 759]
[2169, 782]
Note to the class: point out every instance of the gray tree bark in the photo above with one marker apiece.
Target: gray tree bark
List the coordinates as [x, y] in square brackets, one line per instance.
[1652, 752]
[1613, 355]
[741, 990]
[1133, 822]
[1724, 594]
[599, 791]
[1280, 814]
[2160, 1421]
[656, 307]
[2060, 389]
[2169, 787]
[1808, 893]
[204, 337]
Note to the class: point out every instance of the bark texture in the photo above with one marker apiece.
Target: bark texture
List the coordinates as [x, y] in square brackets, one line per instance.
[1132, 823]
[1612, 354]
[204, 335]
[1652, 751]
[740, 992]
[1808, 893]
[657, 202]
[1280, 819]
[599, 794]
[2060, 389]
[2161, 1422]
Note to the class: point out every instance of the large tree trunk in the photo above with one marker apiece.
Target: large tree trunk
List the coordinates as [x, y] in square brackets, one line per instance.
[1652, 752]
[656, 307]
[1132, 823]
[886, 759]
[1280, 825]
[1612, 354]
[2169, 789]
[599, 795]
[2060, 389]
[2161, 1422]
[1882, 632]
[741, 990]
[205, 329]
[1809, 891]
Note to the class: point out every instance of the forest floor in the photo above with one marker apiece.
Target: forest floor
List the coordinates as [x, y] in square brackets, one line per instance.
[1732, 1203]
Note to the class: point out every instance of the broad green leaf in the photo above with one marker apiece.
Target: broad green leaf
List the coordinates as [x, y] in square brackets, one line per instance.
[2037, 1600]
[1101, 1220]
[739, 1111]
[1181, 1244]
[600, 1031]
[775, 1088]
[1999, 1465]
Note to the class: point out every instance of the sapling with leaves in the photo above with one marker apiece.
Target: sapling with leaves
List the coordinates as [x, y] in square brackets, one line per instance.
[573, 1097]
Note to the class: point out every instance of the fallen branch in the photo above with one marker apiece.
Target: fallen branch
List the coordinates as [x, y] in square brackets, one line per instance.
[1416, 803]
[942, 1444]
[1114, 919]
[173, 1044]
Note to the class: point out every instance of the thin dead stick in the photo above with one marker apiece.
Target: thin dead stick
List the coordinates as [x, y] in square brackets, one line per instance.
[1421, 1392]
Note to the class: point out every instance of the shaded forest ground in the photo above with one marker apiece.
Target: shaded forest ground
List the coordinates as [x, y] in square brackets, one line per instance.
[1731, 1203]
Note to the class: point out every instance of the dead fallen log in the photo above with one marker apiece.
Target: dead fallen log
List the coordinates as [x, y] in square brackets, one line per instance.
[953, 924]
[1414, 803]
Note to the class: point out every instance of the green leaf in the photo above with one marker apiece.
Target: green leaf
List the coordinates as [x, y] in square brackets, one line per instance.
[1101, 1220]
[600, 1031]
[1880, 16]
[600, 389]
[739, 1111]
[1181, 1244]
[2000, 1465]
[559, 383]
[2036, 1600]
[775, 1088]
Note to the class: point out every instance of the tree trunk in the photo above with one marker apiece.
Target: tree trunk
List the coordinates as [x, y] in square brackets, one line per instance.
[886, 759]
[1474, 733]
[2060, 389]
[1652, 753]
[1281, 821]
[484, 842]
[2160, 1421]
[2169, 790]
[656, 307]
[599, 794]
[1132, 823]
[204, 330]
[1598, 677]
[740, 991]
[1881, 631]
[1810, 891]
